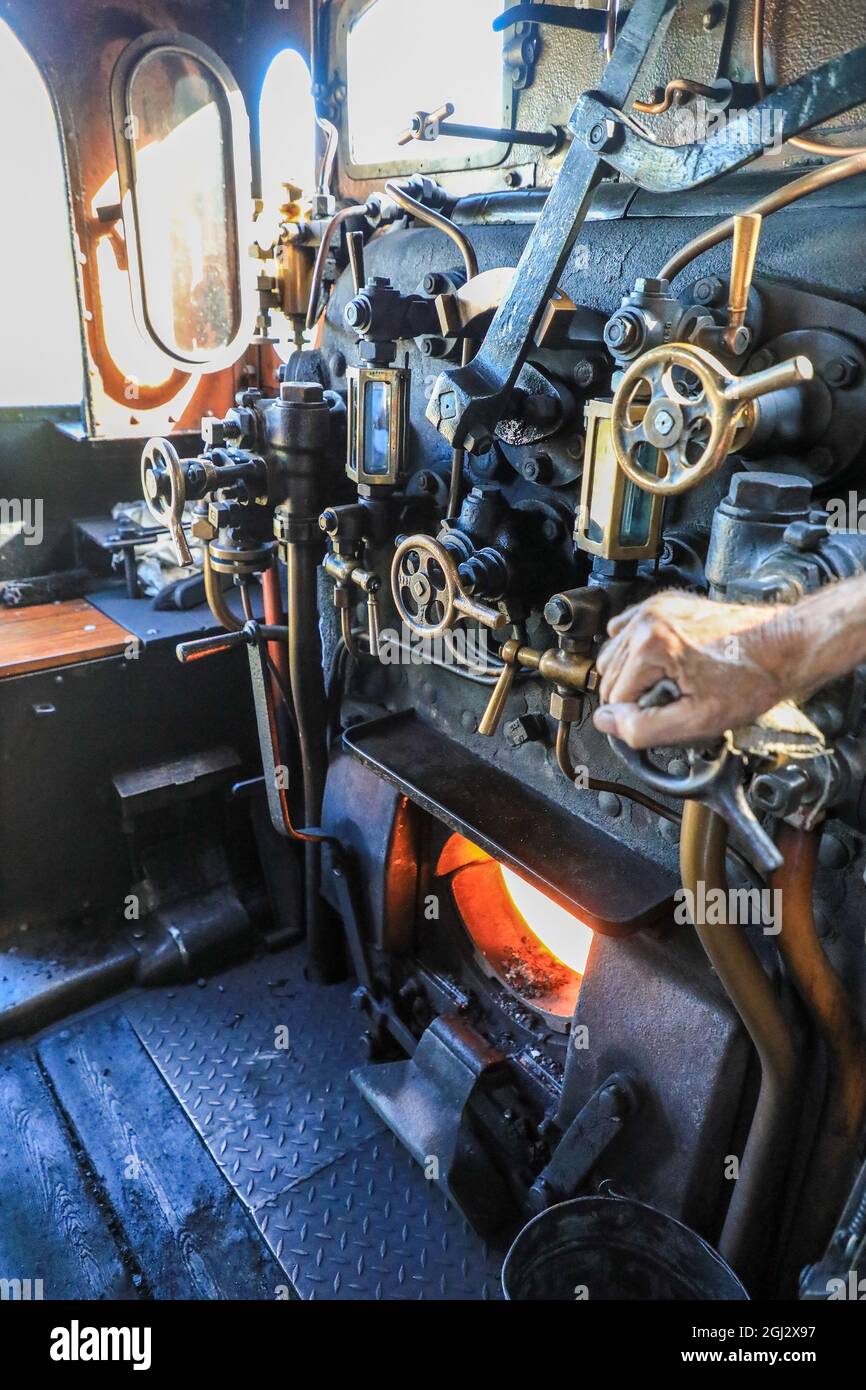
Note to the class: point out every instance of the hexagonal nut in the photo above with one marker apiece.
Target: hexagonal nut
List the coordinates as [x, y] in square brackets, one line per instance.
[478, 443]
[769, 492]
[842, 371]
[565, 708]
[526, 728]
[203, 529]
[322, 205]
[213, 432]
[301, 393]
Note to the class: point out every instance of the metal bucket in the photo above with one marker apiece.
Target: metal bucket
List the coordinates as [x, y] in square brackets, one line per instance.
[614, 1248]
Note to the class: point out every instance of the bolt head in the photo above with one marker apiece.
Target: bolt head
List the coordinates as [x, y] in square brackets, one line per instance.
[702, 292]
[842, 371]
[301, 393]
[664, 422]
[479, 443]
[584, 373]
[650, 284]
[603, 136]
[770, 492]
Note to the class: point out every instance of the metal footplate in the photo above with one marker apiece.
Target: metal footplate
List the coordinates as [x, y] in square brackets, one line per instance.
[425, 1102]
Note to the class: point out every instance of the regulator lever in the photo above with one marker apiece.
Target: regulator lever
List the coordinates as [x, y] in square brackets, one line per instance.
[716, 781]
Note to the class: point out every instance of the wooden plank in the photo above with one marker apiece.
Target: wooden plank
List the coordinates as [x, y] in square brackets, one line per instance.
[51, 1226]
[191, 1235]
[56, 634]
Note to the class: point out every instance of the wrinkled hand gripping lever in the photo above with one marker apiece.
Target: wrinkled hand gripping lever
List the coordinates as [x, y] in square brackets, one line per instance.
[717, 783]
[468, 402]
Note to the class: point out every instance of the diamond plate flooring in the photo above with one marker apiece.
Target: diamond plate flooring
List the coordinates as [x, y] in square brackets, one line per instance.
[260, 1060]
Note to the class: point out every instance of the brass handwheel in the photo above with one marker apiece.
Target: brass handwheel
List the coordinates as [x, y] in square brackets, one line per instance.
[427, 591]
[163, 483]
[683, 405]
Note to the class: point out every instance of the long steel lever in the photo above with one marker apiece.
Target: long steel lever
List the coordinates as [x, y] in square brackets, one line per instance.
[467, 402]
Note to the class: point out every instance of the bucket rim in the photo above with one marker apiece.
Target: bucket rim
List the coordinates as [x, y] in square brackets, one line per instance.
[600, 1200]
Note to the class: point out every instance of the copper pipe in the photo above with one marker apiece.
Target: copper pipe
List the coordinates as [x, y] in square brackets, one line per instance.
[470, 262]
[683, 85]
[748, 1223]
[214, 595]
[597, 784]
[272, 605]
[811, 146]
[336, 222]
[836, 1154]
[782, 198]
[439, 221]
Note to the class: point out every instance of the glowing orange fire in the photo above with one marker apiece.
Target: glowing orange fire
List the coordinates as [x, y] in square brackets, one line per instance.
[564, 935]
[533, 945]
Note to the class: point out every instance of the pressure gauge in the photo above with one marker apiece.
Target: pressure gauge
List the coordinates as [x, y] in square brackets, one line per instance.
[378, 425]
[616, 519]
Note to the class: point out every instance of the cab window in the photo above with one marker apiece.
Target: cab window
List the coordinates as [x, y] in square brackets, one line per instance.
[37, 271]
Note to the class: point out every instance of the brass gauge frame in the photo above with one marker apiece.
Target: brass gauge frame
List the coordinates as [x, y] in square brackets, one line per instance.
[400, 381]
[606, 493]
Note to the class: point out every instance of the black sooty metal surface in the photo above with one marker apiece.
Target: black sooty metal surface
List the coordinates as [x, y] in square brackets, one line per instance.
[259, 1060]
[606, 883]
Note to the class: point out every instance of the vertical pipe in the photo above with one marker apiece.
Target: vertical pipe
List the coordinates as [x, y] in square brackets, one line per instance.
[748, 1225]
[299, 432]
[835, 1156]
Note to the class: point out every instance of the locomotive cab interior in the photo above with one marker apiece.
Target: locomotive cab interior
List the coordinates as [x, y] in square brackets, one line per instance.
[362, 362]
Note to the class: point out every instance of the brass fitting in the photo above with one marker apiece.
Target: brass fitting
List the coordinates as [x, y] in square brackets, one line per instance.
[561, 668]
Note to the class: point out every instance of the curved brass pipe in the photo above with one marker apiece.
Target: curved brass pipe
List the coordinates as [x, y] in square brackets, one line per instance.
[470, 262]
[314, 308]
[215, 597]
[749, 1220]
[437, 220]
[679, 86]
[801, 142]
[843, 1115]
[781, 198]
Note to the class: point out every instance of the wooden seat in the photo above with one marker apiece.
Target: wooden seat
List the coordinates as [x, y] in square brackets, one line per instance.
[56, 634]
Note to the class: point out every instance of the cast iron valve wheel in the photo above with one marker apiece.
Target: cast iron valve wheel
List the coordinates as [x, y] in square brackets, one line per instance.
[687, 407]
[428, 593]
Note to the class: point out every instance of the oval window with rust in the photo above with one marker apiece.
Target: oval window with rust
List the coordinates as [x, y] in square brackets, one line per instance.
[182, 142]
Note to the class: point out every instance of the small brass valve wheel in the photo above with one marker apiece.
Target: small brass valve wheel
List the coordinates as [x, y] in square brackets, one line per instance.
[163, 483]
[428, 593]
[566, 670]
[688, 408]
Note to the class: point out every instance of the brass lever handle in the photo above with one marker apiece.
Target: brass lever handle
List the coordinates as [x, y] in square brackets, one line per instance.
[747, 234]
[373, 621]
[355, 247]
[492, 716]
[562, 668]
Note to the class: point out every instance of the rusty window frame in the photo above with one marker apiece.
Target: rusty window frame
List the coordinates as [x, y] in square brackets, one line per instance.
[237, 163]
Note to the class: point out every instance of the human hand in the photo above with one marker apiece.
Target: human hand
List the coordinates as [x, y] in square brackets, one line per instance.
[723, 657]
